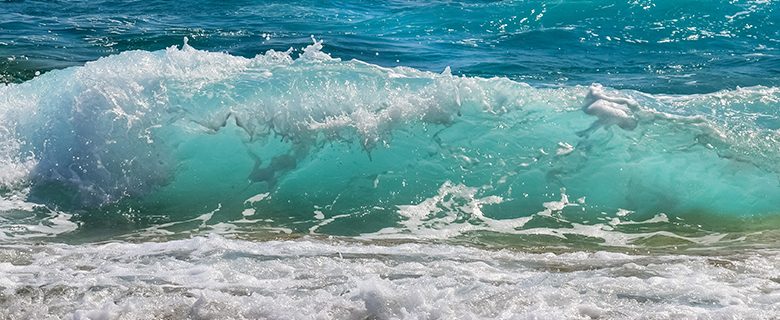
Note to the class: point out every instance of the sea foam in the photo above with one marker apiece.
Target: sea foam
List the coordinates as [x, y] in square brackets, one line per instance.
[212, 276]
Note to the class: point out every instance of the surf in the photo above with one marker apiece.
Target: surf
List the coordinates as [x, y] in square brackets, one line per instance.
[181, 132]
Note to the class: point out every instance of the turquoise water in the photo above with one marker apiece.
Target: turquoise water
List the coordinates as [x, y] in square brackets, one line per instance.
[599, 154]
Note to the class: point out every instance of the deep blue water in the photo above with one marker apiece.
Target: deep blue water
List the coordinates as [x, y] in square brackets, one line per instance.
[687, 46]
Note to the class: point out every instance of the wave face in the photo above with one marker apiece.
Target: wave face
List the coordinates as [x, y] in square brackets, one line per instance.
[317, 144]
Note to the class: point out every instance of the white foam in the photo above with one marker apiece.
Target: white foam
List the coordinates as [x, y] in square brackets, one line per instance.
[323, 222]
[214, 277]
[456, 210]
[610, 110]
[26, 222]
[257, 198]
[564, 149]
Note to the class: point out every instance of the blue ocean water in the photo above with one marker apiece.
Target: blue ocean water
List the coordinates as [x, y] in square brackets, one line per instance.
[394, 159]
[652, 46]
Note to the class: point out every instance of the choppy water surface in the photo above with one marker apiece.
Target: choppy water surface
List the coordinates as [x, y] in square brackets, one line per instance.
[510, 159]
[654, 46]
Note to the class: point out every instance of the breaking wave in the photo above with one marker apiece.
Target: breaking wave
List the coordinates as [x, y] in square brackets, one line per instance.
[308, 142]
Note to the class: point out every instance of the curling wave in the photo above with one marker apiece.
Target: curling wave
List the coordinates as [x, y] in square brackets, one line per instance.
[315, 139]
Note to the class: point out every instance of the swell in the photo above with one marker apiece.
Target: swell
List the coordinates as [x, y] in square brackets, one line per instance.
[345, 147]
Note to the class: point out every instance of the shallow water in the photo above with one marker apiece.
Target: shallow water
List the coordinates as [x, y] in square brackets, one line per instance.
[569, 159]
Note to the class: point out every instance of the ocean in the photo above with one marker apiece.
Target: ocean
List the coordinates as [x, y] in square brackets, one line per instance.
[549, 159]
